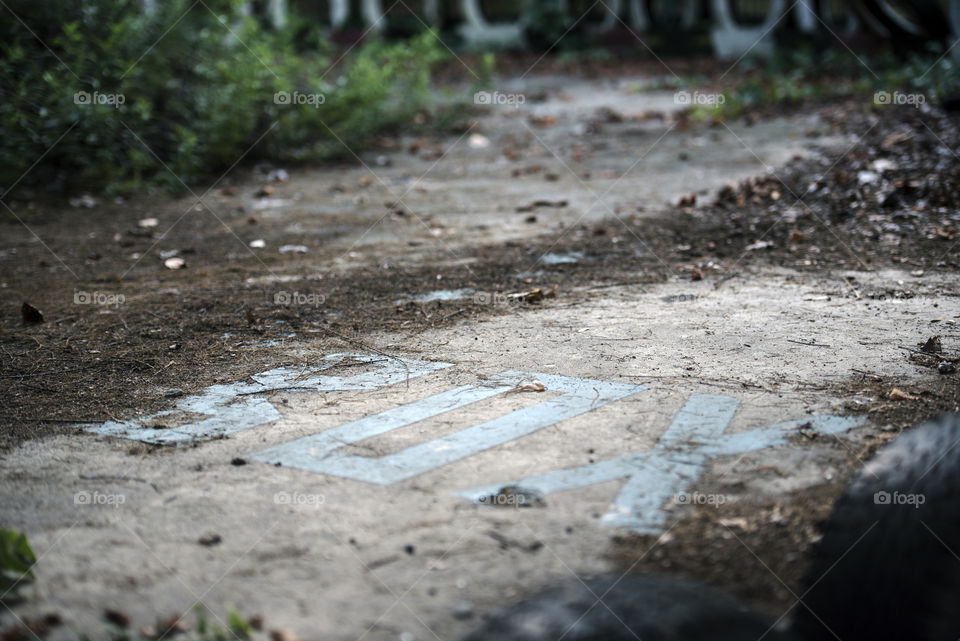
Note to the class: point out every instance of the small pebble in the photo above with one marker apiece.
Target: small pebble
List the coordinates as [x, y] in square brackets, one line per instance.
[463, 610]
[946, 367]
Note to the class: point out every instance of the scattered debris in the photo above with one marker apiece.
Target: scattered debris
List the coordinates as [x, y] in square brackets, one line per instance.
[946, 367]
[478, 141]
[294, 249]
[278, 176]
[534, 295]
[738, 522]
[282, 634]
[543, 120]
[688, 201]
[117, 617]
[258, 243]
[263, 192]
[558, 204]
[898, 394]
[209, 540]
[175, 263]
[238, 461]
[933, 345]
[172, 625]
[86, 200]
[148, 223]
[462, 610]
[529, 386]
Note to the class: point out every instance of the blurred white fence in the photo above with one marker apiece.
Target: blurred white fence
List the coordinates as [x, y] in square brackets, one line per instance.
[736, 26]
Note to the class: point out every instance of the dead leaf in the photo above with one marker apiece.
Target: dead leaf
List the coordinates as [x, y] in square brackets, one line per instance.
[530, 386]
[173, 624]
[263, 192]
[696, 274]
[796, 236]
[282, 634]
[31, 315]
[251, 319]
[933, 345]
[545, 120]
[534, 295]
[760, 244]
[898, 394]
[737, 522]
[117, 617]
[895, 139]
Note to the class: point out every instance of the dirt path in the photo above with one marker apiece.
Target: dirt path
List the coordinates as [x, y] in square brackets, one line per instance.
[480, 363]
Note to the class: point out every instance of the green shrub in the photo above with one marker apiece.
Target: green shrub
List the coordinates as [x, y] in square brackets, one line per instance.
[16, 563]
[106, 96]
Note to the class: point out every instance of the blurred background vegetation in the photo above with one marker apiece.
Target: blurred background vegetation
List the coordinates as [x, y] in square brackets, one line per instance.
[198, 79]
[198, 86]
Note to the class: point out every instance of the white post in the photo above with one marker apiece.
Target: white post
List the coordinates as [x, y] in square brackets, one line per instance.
[339, 12]
[731, 40]
[477, 29]
[277, 12]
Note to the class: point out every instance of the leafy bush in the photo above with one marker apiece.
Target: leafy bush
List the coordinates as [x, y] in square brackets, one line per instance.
[101, 94]
[16, 560]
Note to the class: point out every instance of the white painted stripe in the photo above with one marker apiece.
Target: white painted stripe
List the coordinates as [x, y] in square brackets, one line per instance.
[655, 477]
[236, 407]
[318, 453]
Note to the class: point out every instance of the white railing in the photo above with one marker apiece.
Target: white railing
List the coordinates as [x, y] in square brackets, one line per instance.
[730, 38]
